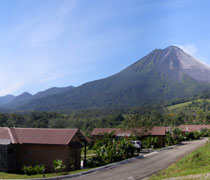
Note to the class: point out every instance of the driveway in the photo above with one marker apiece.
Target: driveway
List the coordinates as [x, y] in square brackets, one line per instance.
[145, 167]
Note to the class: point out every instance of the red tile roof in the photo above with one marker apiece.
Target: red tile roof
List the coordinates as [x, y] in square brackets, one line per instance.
[158, 131]
[4, 133]
[38, 135]
[191, 128]
[155, 131]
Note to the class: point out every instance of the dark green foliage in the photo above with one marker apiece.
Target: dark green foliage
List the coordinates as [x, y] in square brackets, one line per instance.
[134, 121]
[174, 136]
[191, 112]
[197, 134]
[189, 136]
[30, 170]
[109, 150]
[58, 165]
[150, 142]
[205, 132]
[194, 112]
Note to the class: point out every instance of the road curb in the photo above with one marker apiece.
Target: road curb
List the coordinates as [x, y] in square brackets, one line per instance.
[108, 166]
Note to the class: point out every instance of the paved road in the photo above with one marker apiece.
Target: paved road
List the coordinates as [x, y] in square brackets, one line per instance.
[142, 168]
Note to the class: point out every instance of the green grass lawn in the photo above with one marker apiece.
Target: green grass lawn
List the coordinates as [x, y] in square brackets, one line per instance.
[4, 175]
[197, 162]
[90, 153]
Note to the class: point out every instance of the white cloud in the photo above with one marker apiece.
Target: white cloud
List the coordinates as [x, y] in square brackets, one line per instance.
[192, 50]
[189, 48]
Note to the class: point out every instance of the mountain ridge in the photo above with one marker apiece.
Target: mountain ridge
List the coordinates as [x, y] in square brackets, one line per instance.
[162, 75]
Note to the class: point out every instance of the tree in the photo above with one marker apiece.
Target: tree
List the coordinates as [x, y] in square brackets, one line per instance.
[139, 125]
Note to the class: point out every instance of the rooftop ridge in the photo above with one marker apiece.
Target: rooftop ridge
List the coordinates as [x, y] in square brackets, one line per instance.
[14, 134]
[73, 135]
[11, 136]
[49, 128]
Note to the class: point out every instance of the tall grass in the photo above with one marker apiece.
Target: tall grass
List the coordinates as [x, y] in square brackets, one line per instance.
[197, 162]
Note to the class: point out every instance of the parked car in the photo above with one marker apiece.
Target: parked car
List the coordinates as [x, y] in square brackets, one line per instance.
[137, 144]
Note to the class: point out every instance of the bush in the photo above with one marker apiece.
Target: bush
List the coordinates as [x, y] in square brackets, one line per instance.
[58, 165]
[174, 136]
[197, 134]
[94, 162]
[30, 170]
[109, 150]
[39, 168]
[205, 132]
[125, 148]
[150, 142]
[189, 136]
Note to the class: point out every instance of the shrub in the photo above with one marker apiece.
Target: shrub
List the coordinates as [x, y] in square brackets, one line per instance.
[174, 136]
[39, 168]
[197, 134]
[205, 132]
[150, 142]
[94, 162]
[58, 165]
[125, 148]
[189, 136]
[30, 170]
[109, 150]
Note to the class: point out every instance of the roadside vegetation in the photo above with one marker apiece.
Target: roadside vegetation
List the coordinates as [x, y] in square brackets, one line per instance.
[197, 162]
[4, 175]
[109, 150]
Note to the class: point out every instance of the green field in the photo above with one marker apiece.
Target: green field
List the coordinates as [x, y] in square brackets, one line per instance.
[197, 162]
[181, 105]
[90, 153]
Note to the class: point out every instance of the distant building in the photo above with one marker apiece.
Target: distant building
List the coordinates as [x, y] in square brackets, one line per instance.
[159, 132]
[34, 146]
[191, 128]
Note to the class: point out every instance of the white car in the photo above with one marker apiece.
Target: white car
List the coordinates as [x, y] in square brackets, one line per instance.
[137, 144]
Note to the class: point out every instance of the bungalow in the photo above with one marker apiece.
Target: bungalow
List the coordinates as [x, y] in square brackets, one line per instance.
[33, 146]
[191, 128]
[159, 132]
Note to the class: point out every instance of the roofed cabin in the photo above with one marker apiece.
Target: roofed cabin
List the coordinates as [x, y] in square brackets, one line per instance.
[34, 146]
[192, 128]
[159, 132]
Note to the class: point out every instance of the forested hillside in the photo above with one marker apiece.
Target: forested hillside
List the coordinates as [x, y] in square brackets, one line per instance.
[195, 111]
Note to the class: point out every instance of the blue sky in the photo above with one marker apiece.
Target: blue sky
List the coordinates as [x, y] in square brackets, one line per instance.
[48, 43]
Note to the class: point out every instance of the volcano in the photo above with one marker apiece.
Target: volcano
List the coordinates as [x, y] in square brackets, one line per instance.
[163, 75]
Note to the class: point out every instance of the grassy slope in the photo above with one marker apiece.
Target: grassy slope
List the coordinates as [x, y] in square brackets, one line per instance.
[181, 105]
[197, 162]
